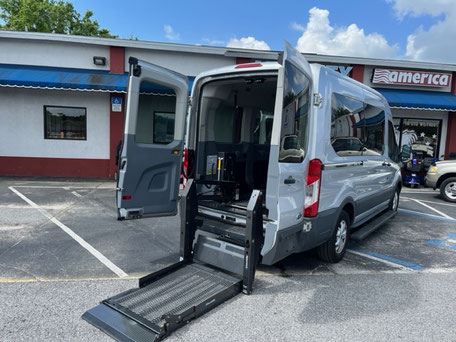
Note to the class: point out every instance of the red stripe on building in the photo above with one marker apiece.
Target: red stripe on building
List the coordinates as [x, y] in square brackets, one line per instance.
[116, 119]
[57, 167]
[357, 72]
[116, 125]
[242, 60]
[450, 146]
[451, 135]
[116, 60]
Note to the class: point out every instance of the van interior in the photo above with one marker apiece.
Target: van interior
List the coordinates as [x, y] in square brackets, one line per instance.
[234, 133]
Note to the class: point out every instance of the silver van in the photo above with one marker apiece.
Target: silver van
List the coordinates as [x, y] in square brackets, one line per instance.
[282, 158]
[319, 146]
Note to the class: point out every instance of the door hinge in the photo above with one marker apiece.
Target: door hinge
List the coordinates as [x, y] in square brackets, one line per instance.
[189, 101]
[317, 99]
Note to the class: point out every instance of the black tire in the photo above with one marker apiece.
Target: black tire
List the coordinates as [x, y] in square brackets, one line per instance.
[329, 251]
[447, 189]
[393, 206]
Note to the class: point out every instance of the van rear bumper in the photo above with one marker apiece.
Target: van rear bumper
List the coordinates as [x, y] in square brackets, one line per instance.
[296, 239]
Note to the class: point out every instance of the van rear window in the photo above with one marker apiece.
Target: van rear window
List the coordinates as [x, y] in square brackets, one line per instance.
[295, 115]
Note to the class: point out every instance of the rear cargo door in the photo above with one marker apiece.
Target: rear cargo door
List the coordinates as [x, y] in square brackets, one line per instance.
[151, 155]
[287, 167]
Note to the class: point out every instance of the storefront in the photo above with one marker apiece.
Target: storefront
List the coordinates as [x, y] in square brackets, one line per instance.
[63, 98]
[422, 104]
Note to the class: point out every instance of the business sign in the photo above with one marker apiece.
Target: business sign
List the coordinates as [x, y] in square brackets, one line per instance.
[116, 104]
[411, 78]
[344, 70]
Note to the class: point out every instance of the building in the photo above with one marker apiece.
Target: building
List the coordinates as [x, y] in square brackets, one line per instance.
[63, 97]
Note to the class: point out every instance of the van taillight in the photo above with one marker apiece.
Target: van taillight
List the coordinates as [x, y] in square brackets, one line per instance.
[248, 65]
[185, 167]
[313, 188]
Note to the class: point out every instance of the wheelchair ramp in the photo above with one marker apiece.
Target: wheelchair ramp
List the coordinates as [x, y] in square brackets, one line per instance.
[152, 312]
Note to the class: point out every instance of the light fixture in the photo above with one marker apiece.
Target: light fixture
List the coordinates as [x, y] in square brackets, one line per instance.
[97, 60]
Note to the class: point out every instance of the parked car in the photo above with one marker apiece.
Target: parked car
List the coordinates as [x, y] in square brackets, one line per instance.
[442, 175]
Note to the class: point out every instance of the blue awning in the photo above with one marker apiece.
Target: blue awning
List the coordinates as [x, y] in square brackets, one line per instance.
[41, 77]
[414, 99]
[25, 76]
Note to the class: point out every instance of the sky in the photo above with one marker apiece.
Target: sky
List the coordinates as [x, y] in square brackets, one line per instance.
[422, 30]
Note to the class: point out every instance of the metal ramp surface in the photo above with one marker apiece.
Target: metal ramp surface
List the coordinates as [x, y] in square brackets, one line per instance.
[152, 312]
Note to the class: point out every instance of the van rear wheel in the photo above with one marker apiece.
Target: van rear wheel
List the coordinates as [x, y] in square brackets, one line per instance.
[334, 249]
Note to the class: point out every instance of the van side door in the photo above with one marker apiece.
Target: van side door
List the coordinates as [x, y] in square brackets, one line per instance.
[151, 154]
[375, 152]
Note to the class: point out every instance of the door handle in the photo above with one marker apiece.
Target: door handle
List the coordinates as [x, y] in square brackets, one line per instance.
[386, 164]
[290, 180]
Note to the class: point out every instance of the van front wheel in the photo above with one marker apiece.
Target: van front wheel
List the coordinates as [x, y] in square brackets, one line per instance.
[334, 249]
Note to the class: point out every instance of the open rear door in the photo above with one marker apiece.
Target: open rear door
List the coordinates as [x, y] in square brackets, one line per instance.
[285, 193]
[151, 156]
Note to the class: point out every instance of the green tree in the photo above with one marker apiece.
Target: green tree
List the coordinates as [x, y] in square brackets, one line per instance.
[48, 16]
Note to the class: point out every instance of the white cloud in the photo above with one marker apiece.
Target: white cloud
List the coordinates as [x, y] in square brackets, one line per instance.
[170, 33]
[297, 27]
[418, 8]
[320, 37]
[248, 43]
[438, 43]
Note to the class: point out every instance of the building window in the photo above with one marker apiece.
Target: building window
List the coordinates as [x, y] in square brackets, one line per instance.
[419, 138]
[155, 120]
[69, 123]
[163, 127]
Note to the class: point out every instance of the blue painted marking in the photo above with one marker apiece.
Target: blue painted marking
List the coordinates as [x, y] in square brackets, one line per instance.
[426, 215]
[388, 258]
[444, 242]
[116, 100]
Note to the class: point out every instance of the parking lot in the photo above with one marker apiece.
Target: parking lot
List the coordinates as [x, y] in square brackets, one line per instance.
[62, 251]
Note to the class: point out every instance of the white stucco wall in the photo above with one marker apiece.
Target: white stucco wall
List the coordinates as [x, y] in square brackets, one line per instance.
[54, 54]
[22, 124]
[185, 63]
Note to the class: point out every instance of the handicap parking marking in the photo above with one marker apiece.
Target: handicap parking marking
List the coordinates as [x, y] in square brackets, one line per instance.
[105, 261]
[449, 242]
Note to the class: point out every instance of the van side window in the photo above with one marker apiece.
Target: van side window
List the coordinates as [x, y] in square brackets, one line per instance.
[155, 121]
[393, 149]
[357, 129]
[374, 131]
[347, 127]
[295, 115]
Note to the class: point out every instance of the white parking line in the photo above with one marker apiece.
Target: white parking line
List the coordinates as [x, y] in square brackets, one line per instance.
[105, 261]
[76, 194]
[433, 209]
[427, 201]
[418, 192]
[386, 262]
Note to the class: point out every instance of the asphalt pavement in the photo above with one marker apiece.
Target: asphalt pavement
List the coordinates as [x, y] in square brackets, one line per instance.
[62, 251]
